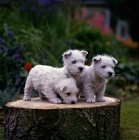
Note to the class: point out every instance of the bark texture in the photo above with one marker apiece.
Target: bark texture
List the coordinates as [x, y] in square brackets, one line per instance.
[81, 121]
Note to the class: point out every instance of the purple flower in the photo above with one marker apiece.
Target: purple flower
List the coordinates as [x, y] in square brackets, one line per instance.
[136, 79]
[18, 50]
[2, 41]
[23, 7]
[3, 49]
[69, 41]
[47, 2]
[43, 53]
[18, 79]
[17, 57]
[44, 2]
[10, 34]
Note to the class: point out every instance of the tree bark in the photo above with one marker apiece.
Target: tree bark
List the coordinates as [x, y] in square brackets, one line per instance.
[40, 120]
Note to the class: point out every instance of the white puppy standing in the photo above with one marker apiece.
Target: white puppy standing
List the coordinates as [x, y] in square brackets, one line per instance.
[51, 82]
[96, 77]
[74, 65]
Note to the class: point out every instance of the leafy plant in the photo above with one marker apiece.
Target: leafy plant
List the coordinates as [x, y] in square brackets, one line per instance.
[8, 94]
[127, 73]
[27, 38]
[11, 58]
[91, 39]
[126, 81]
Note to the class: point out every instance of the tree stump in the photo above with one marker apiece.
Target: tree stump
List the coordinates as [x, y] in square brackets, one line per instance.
[40, 120]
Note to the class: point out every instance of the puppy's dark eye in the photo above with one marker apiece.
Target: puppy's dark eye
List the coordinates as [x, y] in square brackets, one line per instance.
[74, 61]
[68, 93]
[103, 66]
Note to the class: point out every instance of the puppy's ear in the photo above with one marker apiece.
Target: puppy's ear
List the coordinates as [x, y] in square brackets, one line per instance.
[96, 59]
[67, 54]
[84, 53]
[61, 87]
[114, 61]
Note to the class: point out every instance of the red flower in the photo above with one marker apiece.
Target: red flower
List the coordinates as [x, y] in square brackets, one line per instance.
[28, 66]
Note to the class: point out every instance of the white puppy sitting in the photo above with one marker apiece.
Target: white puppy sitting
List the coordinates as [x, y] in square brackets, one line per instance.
[74, 65]
[96, 76]
[51, 83]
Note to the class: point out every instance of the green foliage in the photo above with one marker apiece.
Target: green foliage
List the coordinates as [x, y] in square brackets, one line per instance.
[8, 94]
[35, 47]
[2, 133]
[91, 39]
[27, 38]
[128, 73]
[11, 58]
[126, 81]
[42, 33]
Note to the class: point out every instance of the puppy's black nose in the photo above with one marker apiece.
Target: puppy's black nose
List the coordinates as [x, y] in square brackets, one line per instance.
[110, 73]
[72, 102]
[80, 68]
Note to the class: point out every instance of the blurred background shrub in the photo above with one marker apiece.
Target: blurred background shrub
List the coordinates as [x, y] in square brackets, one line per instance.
[11, 58]
[39, 31]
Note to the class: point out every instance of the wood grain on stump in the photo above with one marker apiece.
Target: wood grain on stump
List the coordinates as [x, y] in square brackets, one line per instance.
[40, 120]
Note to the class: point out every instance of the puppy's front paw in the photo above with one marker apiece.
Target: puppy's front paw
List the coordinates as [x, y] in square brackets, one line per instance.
[100, 99]
[26, 98]
[55, 100]
[90, 100]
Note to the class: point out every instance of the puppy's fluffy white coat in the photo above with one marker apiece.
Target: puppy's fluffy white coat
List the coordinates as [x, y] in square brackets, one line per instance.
[96, 77]
[74, 65]
[51, 83]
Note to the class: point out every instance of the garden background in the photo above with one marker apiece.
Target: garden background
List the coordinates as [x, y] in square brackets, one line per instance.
[39, 31]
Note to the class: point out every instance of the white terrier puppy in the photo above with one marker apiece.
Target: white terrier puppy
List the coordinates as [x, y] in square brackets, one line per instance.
[51, 83]
[74, 65]
[96, 76]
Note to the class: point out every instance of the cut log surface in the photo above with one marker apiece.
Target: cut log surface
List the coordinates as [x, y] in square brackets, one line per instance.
[41, 120]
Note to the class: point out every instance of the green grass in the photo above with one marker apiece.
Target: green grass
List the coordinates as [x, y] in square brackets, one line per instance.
[129, 126]
[1, 133]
